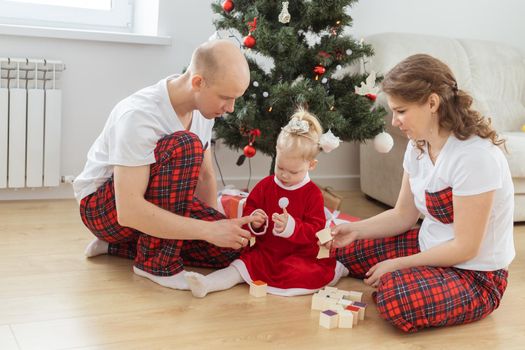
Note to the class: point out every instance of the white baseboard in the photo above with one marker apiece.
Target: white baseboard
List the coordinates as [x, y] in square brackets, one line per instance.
[64, 191]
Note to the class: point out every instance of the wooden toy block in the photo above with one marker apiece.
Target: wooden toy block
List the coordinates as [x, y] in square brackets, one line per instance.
[329, 319]
[324, 235]
[318, 301]
[354, 296]
[323, 253]
[345, 302]
[258, 289]
[323, 301]
[330, 304]
[346, 319]
[355, 311]
[362, 309]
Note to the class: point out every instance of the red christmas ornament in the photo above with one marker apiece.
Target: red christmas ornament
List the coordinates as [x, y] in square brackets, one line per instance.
[249, 41]
[255, 133]
[228, 5]
[249, 151]
[371, 97]
[319, 70]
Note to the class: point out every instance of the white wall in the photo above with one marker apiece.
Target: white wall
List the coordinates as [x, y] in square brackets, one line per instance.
[99, 74]
[491, 20]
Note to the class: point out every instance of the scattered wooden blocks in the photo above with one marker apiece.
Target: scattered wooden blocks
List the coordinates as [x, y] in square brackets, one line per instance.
[329, 319]
[258, 289]
[346, 305]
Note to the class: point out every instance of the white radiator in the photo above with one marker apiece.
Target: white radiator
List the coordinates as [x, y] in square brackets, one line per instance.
[30, 122]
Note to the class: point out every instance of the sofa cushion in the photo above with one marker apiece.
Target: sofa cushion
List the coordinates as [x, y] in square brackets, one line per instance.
[497, 82]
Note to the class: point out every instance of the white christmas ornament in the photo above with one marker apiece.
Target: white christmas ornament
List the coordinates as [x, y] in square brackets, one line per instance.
[283, 202]
[324, 80]
[383, 142]
[265, 94]
[349, 52]
[329, 141]
[284, 16]
[368, 87]
[255, 83]
[338, 67]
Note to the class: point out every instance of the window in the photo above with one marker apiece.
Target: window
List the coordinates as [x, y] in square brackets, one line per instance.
[110, 15]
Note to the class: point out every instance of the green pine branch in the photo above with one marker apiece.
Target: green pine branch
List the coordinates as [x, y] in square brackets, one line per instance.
[291, 82]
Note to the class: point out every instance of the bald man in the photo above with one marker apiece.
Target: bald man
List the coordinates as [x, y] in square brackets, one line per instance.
[148, 190]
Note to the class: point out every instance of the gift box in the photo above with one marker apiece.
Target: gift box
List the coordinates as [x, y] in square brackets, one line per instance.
[335, 217]
[331, 199]
[231, 202]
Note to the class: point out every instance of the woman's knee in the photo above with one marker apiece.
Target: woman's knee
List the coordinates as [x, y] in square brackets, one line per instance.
[394, 303]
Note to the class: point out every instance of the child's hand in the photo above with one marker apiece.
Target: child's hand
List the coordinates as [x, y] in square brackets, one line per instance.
[260, 219]
[279, 222]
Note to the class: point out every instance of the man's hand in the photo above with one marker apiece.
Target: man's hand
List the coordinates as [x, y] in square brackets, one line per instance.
[228, 233]
[260, 219]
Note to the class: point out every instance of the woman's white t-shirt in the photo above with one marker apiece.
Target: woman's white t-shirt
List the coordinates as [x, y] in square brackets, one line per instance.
[131, 134]
[469, 167]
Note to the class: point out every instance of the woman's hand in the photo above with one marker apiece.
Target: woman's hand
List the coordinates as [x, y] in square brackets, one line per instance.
[343, 235]
[379, 269]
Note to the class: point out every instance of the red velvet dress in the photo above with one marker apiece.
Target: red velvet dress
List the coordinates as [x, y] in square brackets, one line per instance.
[287, 262]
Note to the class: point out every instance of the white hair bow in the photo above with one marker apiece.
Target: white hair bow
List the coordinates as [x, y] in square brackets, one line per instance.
[296, 126]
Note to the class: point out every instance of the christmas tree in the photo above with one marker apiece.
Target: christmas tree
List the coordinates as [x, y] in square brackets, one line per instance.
[303, 48]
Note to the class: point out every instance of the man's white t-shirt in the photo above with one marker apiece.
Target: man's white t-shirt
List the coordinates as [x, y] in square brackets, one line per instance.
[131, 134]
[469, 167]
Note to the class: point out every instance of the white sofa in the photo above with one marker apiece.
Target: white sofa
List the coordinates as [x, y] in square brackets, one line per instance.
[493, 73]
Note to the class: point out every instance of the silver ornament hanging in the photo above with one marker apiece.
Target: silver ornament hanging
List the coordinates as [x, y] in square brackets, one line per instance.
[284, 16]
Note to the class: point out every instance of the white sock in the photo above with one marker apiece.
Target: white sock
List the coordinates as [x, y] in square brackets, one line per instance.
[176, 281]
[96, 247]
[340, 271]
[222, 279]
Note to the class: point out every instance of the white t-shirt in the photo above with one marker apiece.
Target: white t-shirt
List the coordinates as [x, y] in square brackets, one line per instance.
[131, 134]
[469, 167]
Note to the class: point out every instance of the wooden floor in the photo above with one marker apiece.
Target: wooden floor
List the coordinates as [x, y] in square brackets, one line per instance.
[51, 297]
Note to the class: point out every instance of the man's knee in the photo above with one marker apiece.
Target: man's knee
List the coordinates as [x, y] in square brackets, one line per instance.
[180, 145]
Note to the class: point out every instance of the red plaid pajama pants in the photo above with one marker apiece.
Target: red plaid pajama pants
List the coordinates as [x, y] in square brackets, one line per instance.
[171, 186]
[420, 297]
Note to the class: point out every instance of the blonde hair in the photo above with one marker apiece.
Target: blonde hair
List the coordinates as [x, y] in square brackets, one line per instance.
[415, 78]
[306, 144]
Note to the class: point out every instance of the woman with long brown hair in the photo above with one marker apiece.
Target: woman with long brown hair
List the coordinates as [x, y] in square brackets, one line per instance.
[453, 269]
